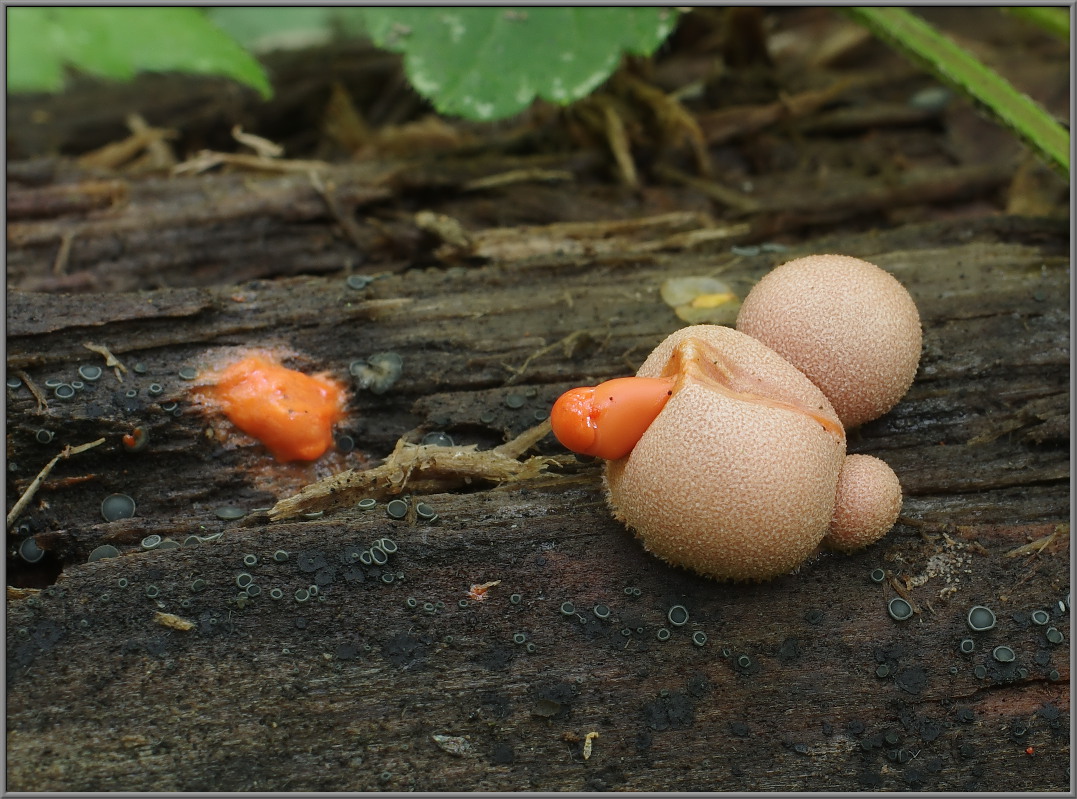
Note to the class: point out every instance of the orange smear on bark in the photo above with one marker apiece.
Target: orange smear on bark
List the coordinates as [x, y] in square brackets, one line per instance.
[291, 413]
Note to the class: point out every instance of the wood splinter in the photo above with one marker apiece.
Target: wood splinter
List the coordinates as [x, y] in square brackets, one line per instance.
[423, 468]
[28, 494]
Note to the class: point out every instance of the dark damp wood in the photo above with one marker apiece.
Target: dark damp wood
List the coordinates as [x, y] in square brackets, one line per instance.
[347, 691]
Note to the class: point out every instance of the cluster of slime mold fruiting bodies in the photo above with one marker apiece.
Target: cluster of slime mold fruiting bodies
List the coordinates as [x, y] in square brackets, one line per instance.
[724, 457]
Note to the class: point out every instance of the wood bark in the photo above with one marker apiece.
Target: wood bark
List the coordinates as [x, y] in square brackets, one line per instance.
[355, 690]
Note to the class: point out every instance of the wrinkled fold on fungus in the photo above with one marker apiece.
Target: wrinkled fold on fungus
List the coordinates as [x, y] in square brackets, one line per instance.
[737, 477]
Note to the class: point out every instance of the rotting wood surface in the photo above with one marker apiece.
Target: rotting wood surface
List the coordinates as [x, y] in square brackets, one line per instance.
[348, 690]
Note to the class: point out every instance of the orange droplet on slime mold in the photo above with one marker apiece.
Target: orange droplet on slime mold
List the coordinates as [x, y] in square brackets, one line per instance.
[291, 413]
[608, 419]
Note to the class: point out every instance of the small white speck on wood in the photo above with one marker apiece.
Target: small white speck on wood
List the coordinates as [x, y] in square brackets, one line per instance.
[453, 744]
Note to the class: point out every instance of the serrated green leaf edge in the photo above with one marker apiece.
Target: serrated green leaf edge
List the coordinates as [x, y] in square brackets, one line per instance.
[391, 29]
[962, 70]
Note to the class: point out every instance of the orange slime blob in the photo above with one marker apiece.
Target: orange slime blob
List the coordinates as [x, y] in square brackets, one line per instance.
[290, 412]
[608, 419]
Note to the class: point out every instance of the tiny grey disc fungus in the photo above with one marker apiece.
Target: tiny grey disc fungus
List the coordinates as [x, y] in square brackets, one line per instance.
[343, 442]
[424, 511]
[53, 382]
[663, 634]
[78, 385]
[514, 401]
[568, 609]
[601, 611]
[131, 393]
[397, 509]
[250, 559]
[188, 373]
[155, 390]
[899, 609]
[882, 671]
[167, 543]
[280, 556]
[64, 391]
[14, 382]
[1054, 635]
[519, 638]
[254, 590]
[699, 638]
[386, 545]
[968, 646]
[387, 577]
[229, 513]
[980, 672]
[117, 506]
[1003, 654]
[140, 368]
[1040, 617]
[30, 551]
[437, 438]
[981, 619]
[531, 648]
[378, 556]
[276, 593]
[487, 417]
[151, 541]
[44, 436]
[367, 503]
[678, 615]
[358, 282]
[243, 579]
[378, 373]
[91, 373]
[744, 661]
[877, 575]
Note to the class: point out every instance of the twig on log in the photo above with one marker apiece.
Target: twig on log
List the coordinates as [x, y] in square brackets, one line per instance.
[28, 494]
[425, 467]
[42, 402]
[110, 359]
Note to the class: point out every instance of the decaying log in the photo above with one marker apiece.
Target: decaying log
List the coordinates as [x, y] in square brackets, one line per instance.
[150, 671]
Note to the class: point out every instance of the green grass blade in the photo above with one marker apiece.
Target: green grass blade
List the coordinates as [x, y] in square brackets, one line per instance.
[956, 66]
[1053, 19]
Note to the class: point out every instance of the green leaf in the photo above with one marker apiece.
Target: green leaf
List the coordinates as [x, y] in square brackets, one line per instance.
[490, 63]
[264, 28]
[119, 42]
[260, 29]
[1053, 19]
[956, 66]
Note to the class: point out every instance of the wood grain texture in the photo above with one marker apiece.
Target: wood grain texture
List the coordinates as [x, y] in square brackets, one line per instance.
[345, 691]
